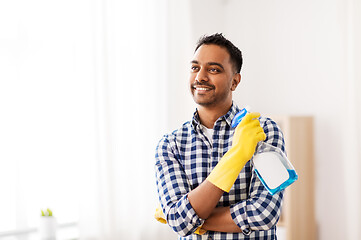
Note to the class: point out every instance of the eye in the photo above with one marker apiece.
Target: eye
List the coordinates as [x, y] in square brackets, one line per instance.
[194, 68]
[214, 70]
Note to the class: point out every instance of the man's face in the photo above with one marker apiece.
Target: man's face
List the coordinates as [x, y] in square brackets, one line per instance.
[212, 77]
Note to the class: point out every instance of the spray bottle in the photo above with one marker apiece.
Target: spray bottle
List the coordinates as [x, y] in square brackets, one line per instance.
[271, 165]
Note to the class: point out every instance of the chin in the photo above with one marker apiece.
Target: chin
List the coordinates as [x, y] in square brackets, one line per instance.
[205, 103]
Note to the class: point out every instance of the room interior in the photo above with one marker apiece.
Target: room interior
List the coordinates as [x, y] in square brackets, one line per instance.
[88, 88]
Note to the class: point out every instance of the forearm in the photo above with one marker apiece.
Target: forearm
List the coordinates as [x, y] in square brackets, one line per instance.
[204, 198]
[234, 219]
[220, 220]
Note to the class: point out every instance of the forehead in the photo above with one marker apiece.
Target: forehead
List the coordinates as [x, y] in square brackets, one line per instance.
[212, 53]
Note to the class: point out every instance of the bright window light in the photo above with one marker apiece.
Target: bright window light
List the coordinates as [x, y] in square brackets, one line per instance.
[47, 109]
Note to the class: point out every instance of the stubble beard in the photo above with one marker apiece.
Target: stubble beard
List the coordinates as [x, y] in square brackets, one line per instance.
[210, 101]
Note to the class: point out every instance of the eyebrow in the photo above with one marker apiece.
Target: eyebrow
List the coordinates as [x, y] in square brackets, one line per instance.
[209, 63]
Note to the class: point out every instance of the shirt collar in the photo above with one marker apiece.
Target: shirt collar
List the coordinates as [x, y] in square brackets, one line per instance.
[228, 117]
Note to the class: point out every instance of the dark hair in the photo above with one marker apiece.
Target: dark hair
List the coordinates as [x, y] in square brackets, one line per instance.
[219, 40]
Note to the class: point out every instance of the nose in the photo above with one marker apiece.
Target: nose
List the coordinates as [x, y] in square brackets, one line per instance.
[202, 75]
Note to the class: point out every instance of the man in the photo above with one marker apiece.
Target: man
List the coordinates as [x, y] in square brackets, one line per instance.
[204, 177]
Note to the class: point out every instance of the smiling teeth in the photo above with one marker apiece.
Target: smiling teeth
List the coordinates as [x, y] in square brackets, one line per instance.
[203, 89]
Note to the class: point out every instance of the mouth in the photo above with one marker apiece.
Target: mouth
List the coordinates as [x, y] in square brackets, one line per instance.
[201, 88]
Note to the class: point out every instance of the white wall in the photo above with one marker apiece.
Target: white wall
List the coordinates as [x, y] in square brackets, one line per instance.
[300, 58]
[295, 63]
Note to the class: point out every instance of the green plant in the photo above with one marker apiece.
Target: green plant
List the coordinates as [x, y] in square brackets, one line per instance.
[46, 213]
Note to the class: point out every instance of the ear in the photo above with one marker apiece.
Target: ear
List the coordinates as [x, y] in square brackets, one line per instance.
[235, 81]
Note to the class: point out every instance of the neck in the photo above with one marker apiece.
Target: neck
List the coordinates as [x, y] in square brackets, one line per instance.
[209, 115]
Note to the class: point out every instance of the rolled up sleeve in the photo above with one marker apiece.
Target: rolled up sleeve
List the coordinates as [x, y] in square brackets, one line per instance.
[173, 187]
[261, 210]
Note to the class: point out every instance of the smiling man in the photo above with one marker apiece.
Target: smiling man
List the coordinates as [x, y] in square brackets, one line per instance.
[206, 184]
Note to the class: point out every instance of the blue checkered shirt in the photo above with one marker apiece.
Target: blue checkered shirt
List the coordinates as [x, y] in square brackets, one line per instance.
[186, 157]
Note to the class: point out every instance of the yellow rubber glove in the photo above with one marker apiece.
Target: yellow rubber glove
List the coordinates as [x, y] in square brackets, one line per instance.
[246, 136]
[159, 216]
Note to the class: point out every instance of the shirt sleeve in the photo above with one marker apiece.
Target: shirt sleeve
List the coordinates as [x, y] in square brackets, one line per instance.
[261, 210]
[173, 187]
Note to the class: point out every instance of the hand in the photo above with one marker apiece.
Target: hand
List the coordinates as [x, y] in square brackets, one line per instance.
[159, 216]
[247, 134]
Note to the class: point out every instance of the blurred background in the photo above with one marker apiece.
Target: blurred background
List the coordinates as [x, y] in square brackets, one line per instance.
[88, 87]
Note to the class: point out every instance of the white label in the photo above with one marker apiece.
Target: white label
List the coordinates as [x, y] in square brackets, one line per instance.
[270, 167]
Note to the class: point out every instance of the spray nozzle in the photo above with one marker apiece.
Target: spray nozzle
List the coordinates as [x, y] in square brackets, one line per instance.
[239, 116]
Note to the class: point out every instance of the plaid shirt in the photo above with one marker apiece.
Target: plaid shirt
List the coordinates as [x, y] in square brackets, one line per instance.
[185, 158]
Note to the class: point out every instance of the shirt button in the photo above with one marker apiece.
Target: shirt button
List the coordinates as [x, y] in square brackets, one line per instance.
[247, 231]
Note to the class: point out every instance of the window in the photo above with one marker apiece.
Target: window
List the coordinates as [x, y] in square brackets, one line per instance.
[47, 121]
